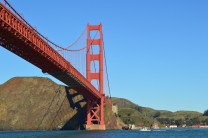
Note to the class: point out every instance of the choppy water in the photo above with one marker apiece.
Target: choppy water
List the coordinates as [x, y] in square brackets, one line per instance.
[161, 133]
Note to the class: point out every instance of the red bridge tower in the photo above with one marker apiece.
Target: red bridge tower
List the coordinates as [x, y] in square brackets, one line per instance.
[95, 107]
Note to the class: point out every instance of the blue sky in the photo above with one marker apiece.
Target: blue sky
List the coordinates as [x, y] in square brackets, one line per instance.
[157, 50]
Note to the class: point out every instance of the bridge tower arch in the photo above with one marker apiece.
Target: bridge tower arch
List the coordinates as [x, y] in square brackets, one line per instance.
[95, 108]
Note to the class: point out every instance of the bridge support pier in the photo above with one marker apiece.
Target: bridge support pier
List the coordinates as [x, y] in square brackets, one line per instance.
[95, 115]
[95, 127]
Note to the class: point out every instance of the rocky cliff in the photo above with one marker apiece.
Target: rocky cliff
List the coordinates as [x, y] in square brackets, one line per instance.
[35, 103]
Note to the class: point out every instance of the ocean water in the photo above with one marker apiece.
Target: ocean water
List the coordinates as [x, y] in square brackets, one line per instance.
[161, 133]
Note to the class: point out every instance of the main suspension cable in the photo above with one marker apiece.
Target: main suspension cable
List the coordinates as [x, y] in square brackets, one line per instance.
[77, 39]
[6, 2]
[76, 50]
[106, 68]
[31, 26]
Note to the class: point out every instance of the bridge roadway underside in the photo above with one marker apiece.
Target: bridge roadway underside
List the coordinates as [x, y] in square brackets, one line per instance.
[73, 83]
[28, 51]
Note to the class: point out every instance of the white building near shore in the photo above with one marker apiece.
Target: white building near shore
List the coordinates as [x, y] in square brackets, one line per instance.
[173, 126]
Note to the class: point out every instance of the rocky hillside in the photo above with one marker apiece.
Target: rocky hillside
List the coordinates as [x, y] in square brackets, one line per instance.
[32, 103]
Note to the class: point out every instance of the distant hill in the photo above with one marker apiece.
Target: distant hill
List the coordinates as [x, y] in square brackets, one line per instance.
[144, 116]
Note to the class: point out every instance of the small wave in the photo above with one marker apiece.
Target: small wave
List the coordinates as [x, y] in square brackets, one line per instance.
[158, 130]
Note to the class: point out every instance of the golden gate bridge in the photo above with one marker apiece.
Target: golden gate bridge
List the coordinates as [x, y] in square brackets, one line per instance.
[79, 65]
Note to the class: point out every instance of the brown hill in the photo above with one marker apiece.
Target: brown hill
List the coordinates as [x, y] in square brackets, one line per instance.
[31, 103]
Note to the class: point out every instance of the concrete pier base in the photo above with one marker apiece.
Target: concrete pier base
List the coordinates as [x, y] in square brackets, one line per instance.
[95, 127]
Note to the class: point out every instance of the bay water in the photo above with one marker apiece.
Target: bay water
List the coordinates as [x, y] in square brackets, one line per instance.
[160, 133]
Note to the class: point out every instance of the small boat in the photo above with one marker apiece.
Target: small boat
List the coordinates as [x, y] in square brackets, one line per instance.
[145, 129]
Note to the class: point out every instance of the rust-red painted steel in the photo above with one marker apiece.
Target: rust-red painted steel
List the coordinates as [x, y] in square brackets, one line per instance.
[22, 40]
[95, 108]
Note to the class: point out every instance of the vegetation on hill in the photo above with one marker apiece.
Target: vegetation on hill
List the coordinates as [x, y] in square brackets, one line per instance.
[205, 113]
[132, 116]
[131, 113]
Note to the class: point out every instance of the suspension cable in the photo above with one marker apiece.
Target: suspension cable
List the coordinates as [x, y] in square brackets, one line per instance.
[30, 25]
[77, 39]
[6, 2]
[106, 68]
[67, 48]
